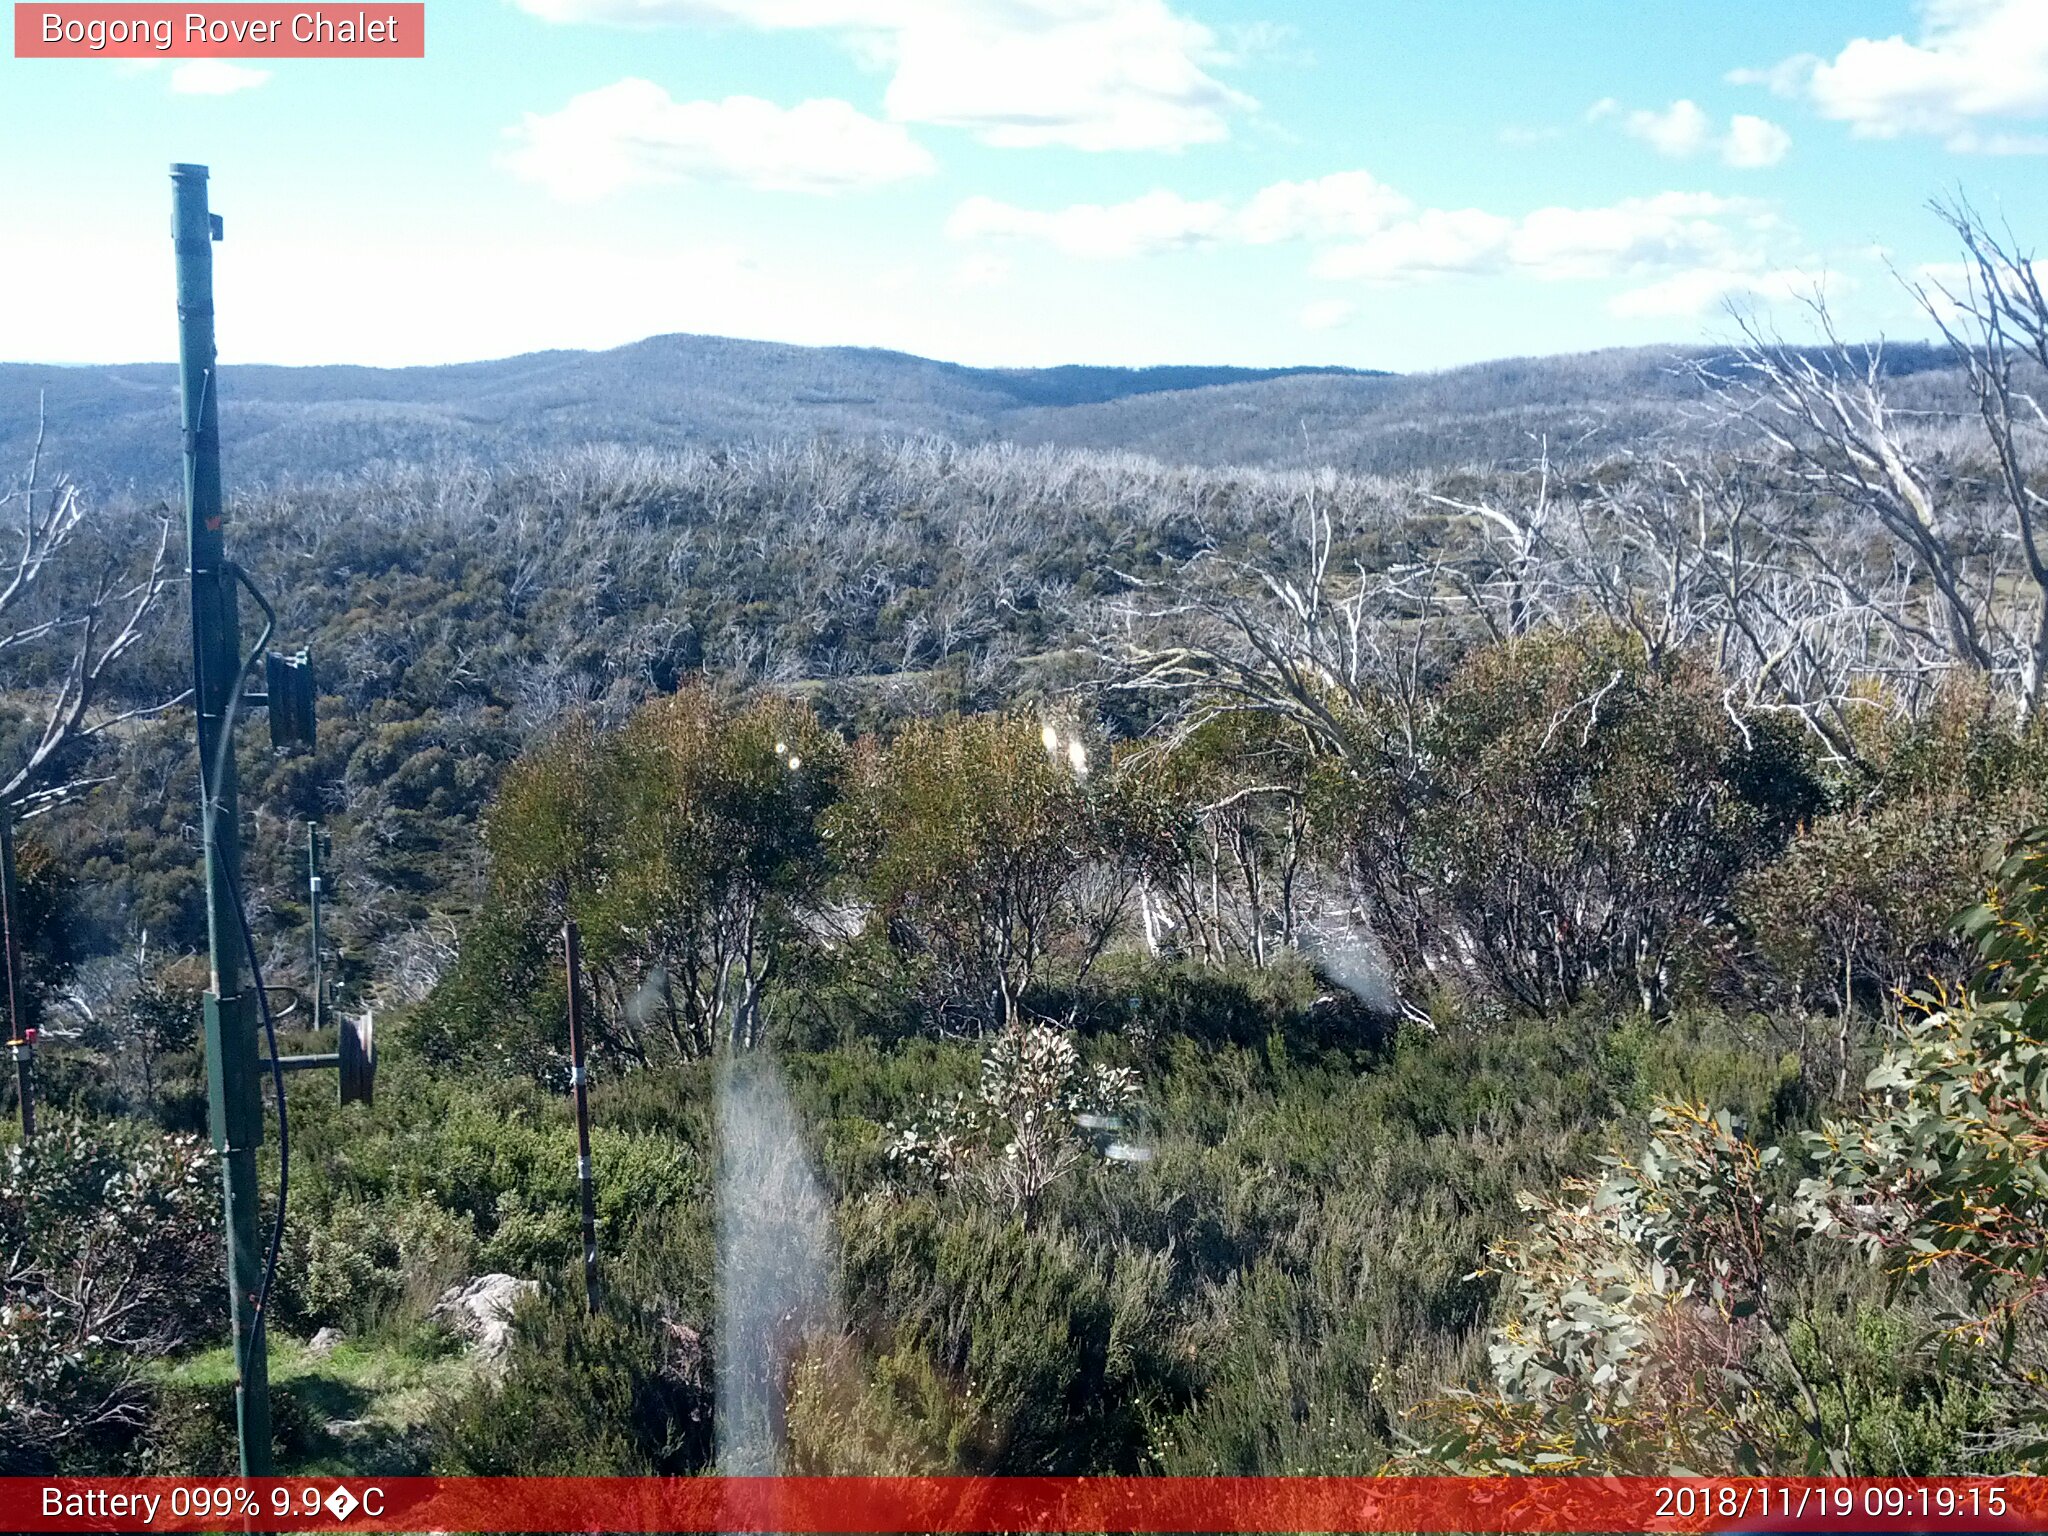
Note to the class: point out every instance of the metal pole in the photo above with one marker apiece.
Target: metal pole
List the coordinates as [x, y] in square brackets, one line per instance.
[19, 1039]
[236, 1110]
[579, 1087]
[313, 880]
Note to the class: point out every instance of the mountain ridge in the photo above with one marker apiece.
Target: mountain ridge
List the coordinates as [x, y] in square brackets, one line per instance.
[115, 426]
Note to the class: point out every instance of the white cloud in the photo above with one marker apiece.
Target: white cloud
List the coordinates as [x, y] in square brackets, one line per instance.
[981, 271]
[1974, 59]
[1970, 141]
[1086, 74]
[1681, 129]
[1270, 42]
[1327, 314]
[1687, 294]
[633, 133]
[1156, 222]
[1347, 205]
[1785, 78]
[1366, 231]
[1634, 233]
[1435, 242]
[215, 77]
[1637, 235]
[1684, 129]
[1754, 142]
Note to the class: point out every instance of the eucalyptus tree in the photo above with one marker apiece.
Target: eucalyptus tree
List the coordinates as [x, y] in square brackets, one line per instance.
[688, 846]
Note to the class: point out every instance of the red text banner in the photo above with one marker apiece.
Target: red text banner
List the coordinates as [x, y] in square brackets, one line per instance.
[1064, 1505]
[231, 31]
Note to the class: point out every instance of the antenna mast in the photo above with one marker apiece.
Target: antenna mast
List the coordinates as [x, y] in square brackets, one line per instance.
[232, 1087]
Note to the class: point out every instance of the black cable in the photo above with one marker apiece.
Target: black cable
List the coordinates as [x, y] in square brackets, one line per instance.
[222, 749]
[284, 1134]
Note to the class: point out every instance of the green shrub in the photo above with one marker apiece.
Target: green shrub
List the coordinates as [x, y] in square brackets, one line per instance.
[106, 1227]
[192, 1429]
[357, 1265]
[1054, 1350]
[621, 1393]
[1573, 819]
[985, 860]
[1857, 911]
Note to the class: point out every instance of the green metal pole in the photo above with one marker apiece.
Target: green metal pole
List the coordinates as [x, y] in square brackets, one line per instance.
[236, 1108]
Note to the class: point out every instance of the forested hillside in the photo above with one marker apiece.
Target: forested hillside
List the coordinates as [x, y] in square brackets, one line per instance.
[116, 428]
[1135, 968]
[669, 392]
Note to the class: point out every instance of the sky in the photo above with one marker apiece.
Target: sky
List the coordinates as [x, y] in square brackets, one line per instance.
[1403, 184]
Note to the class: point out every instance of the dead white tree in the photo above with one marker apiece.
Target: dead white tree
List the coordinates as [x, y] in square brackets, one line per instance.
[1693, 554]
[1321, 644]
[1962, 582]
[1518, 552]
[66, 591]
[1996, 321]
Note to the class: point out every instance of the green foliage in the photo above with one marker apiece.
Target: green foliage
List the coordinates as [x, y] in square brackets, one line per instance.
[987, 858]
[359, 1263]
[1050, 1347]
[1637, 1309]
[502, 1006]
[1303, 1234]
[124, 1041]
[1599, 891]
[1856, 913]
[621, 1393]
[48, 940]
[1221, 817]
[1894, 1407]
[1573, 818]
[687, 846]
[192, 1428]
[1293, 1373]
[158, 1026]
[449, 1177]
[359, 1406]
[1945, 1175]
[1661, 1318]
[105, 1227]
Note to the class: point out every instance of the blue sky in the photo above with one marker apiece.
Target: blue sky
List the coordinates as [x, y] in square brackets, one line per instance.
[1382, 183]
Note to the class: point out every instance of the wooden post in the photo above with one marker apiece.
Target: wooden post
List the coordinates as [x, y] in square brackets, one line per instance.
[20, 1040]
[579, 1088]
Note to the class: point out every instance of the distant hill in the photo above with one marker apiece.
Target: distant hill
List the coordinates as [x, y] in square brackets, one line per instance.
[118, 425]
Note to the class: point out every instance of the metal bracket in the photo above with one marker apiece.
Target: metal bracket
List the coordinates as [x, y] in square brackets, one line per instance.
[355, 1059]
[289, 693]
[233, 1093]
[358, 1059]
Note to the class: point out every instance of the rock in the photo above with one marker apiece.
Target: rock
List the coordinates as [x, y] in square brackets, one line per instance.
[347, 1429]
[322, 1343]
[481, 1311]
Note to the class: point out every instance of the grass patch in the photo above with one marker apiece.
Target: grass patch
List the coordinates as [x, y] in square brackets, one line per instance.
[360, 1408]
